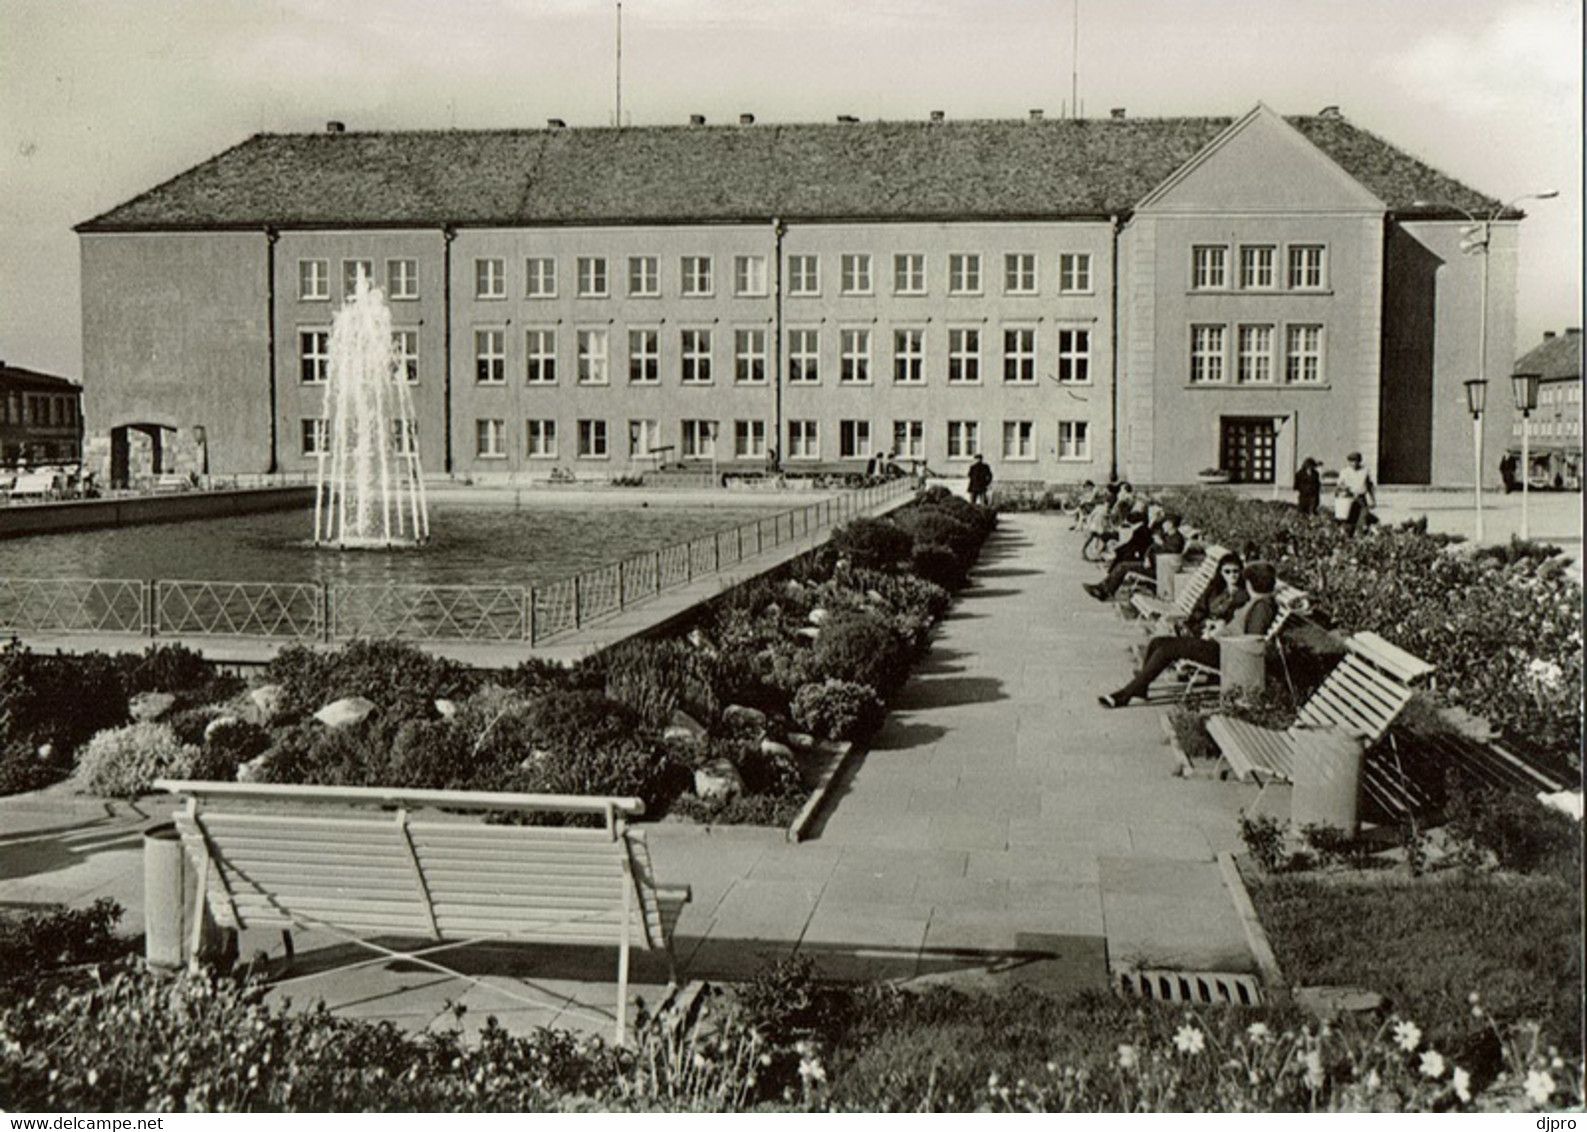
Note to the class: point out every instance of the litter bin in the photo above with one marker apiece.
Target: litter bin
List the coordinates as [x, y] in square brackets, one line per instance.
[1167, 567]
[1242, 662]
[165, 897]
[1327, 777]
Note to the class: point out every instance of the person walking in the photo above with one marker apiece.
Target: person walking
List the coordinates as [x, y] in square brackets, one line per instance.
[1308, 487]
[1355, 496]
[1507, 468]
[980, 480]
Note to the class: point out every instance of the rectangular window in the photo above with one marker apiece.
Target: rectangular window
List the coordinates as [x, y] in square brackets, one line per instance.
[854, 440]
[490, 279]
[592, 440]
[405, 355]
[699, 440]
[402, 279]
[855, 361]
[964, 356]
[1019, 273]
[1247, 448]
[1019, 440]
[314, 356]
[490, 357]
[1307, 267]
[1303, 355]
[696, 356]
[490, 439]
[697, 279]
[592, 349]
[856, 273]
[644, 276]
[1074, 440]
[909, 439]
[644, 438]
[1206, 354]
[804, 440]
[804, 275]
[314, 279]
[749, 275]
[644, 357]
[540, 275]
[909, 274]
[909, 357]
[1074, 356]
[964, 439]
[351, 270]
[592, 277]
[804, 357]
[1254, 360]
[749, 440]
[1019, 355]
[541, 351]
[964, 273]
[540, 439]
[405, 436]
[749, 357]
[1256, 267]
[1209, 267]
[316, 436]
[1074, 273]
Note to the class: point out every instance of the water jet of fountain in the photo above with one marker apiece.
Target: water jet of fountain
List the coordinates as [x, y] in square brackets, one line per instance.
[372, 494]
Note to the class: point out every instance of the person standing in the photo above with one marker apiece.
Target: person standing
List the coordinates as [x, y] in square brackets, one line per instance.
[1507, 467]
[1356, 495]
[1308, 487]
[980, 480]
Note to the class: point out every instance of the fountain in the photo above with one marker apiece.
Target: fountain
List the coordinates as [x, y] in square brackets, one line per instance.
[372, 494]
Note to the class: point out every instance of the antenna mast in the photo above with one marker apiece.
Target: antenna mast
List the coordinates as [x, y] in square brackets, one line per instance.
[619, 122]
[1074, 64]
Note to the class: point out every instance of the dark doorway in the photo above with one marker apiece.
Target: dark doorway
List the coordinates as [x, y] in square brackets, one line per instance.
[1246, 449]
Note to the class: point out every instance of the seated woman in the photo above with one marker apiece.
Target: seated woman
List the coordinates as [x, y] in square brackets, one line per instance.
[1138, 555]
[1253, 618]
[1220, 599]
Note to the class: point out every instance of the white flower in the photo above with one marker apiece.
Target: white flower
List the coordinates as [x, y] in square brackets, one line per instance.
[1545, 673]
[1462, 1081]
[1432, 1064]
[1407, 1035]
[1257, 1031]
[1128, 1058]
[1539, 1087]
[1188, 1039]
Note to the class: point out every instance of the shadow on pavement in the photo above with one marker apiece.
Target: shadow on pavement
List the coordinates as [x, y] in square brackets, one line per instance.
[949, 691]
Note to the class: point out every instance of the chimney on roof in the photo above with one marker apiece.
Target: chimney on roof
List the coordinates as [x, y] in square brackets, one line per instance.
[1548, 335]
[696, 119]
[1329, 112]
[335, 127]
[1116, 112]
[1576, 330]
[1035, 115]
[937, 115]
[847, 119]
[746, 119]
[556, 124]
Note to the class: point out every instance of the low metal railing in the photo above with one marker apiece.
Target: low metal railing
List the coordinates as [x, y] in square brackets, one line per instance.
[495, 613]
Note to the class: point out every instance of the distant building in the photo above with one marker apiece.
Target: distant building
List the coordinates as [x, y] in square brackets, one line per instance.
[1554, 428]
[41, 419]
[1071, 298]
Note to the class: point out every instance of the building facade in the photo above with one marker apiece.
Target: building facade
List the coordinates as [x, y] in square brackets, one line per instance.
[41, 419]
[1554, 436]
[1072, 299]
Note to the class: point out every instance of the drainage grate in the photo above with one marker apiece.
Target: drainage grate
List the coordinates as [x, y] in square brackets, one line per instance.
[1204, 988]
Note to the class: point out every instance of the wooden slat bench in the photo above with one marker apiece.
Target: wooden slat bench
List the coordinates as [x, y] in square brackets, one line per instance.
[1364, 694]
[1187, 591]
[364, 863]
[1197, 677]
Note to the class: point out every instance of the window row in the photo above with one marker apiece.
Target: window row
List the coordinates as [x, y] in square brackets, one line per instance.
[862, 355]
[1548, 428]
[1261, 355]
[1256, 267]
[41, 409]
[314, 278]
[314, 356]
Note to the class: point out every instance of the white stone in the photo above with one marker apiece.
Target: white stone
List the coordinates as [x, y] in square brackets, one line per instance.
[802, 740]
[446, 709]
[741, 716]
[809, 633]
[776, 749]
[818, 616]
[683, 721]
[146, 707]
[718, 779]
[219, 723]
[345, 712]
[267, 700]
[1566, 802]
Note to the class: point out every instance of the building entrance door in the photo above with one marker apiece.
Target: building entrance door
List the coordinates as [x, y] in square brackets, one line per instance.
[1247, 448]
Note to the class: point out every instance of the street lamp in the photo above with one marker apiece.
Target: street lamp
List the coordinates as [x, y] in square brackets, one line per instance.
[1476, 401]
[1525, 387]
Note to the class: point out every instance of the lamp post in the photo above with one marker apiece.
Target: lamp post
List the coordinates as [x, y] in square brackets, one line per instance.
[1525, 387]
[1476, 401]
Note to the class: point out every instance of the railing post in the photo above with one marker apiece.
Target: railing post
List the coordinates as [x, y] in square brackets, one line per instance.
[658, 572]
[716, 553]
[739, 531]
[688, 561]
[323, 600]
[576, 600]
[622, 595]
[529, 615]
[151, 611]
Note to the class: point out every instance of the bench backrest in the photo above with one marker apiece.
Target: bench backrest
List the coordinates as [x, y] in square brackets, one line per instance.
[1186, 595]
[420, 863]
[1367, 690]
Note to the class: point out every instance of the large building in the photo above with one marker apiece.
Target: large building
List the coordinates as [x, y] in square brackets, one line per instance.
[1072, 298]
[41, 419]
[1554, 437]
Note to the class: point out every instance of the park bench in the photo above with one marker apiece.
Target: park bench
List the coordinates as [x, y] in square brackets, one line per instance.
[366, 864]
[1197, 677]
[1155, 611]
[1364, 694]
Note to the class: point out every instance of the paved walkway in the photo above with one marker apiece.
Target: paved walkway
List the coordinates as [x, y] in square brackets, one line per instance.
[1002, 828]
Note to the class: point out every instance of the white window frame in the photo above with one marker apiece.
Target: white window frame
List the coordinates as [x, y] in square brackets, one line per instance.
[909, 439]
[314, 436]
[804, 355]
[314, 355]
[1074, 441]
[749, 355]
[1303, 361]
[592, 353]
[1209, 349]
[402, 279]
[1209, 267]
[1074, 273]
[854, 439]
[854, 356]
[1019, 441]
[750, 276]
[540, 355]
[490, 277]
[314, 280]
[1019, 273]
[350, 275]
[540, 438]
[1306, 267]
[1258, 267]
[1254, 353]
[405, 436]
[644, 355]
[1074, 355]
[749, 440]
[695, 345]
[540, 277]
[909, 355]
[644, 437]
[490, 355]
[697, 439]
[644, 276]
[592, 278]
[804, 439]
[855, 274]
[405, 354]
[964, 355]
[964, 273]
[909, 273]
[490, 438]
[964, 440]
[1019, 355]
[697, 280]
[804, 275]
[594, 441]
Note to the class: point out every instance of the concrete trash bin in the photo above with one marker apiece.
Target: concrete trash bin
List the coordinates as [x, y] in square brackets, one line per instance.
[1167, 567]
[1242, 662]
[165, 897]
[1327, 778]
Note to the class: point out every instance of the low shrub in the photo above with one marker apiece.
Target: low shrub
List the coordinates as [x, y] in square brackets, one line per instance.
[401, 678]
[872, 543]
[860, 649]
[655, 678]
[837, 709]
[1267, 841]
[1512, 830]
[35, 943]
[935, 563]
[124, 763]
[1190, 732]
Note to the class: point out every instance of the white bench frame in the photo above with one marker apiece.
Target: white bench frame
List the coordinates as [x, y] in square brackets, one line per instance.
[361, 863]
[1291, 603]
[1154, 610]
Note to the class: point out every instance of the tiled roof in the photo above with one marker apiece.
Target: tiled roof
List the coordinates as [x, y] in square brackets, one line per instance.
[1556, 359]
[15, 377]
[871, 170]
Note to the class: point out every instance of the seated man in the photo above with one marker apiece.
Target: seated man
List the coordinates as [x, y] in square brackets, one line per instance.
[1254, 618]
[1130, 558]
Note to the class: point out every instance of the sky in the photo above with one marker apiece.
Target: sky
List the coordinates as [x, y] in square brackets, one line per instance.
[103, 99]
